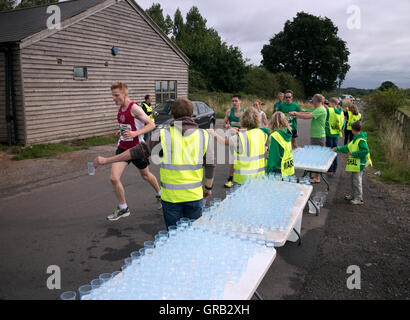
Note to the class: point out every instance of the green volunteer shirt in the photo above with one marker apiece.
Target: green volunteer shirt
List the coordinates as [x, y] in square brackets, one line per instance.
[318, 124]
[276, 106]
[286, 108]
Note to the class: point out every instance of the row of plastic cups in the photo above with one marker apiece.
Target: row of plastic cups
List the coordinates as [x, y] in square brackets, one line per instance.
[89, 288]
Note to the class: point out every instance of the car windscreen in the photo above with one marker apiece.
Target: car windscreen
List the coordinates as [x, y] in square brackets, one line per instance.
[164, 108]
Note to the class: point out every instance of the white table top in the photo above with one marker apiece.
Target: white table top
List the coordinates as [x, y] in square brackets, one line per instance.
[258, 266]
[318, 169]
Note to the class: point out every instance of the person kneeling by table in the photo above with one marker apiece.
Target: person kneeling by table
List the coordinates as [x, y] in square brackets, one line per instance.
[359, 159]
[280, 155]
[184, 151]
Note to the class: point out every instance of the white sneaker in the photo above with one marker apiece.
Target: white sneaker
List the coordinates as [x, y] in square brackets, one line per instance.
[357, 202]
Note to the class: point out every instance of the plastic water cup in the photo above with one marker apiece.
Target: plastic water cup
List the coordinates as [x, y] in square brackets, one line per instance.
[172, 230]
[105, 277]
[91, 169]
[68, 295]
[85, 290]
[163, 234]
[135, 255]
[96, 283]
[127, 261]
[116, 275]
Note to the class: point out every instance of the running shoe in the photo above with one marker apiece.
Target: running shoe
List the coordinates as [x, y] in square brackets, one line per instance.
[118, 214]
[159, 202]
[357, 202]
[228, 184]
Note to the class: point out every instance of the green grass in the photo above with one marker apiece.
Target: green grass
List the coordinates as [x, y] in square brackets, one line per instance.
[406, 110]
[395, 170]
[53, 149]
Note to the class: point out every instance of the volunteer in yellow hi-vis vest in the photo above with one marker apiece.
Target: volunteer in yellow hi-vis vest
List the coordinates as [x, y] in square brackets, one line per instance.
[249, 146]
[183, 151]
[146, 106]
[352, 119]
[249, 155]
[358, 160]
[335, 122]
[181, 165]
[280, 156]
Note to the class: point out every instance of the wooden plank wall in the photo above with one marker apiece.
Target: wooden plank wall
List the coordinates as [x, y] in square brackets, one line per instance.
[18, 98]
[57, 107]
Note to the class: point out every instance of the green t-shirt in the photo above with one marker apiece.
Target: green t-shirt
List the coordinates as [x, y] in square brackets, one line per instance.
[318, 125]
[276, 106]
[286, 108]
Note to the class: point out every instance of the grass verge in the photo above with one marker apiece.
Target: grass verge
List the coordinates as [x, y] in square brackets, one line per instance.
[53, 149]
[388, 151]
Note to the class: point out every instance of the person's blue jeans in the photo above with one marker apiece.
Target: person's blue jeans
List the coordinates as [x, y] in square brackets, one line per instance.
[332, 143]
[173, 212]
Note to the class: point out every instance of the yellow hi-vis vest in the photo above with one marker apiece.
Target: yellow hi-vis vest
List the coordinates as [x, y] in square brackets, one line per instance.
[287, 165]
[149, 109]
[336, 122]
[249, 155]
[353, 164]
[352, 119]
[182, 165]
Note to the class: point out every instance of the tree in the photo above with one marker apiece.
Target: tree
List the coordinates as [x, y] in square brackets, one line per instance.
[387, 85]
[309, 49]
[6, 5]
[32, 3]
[214, 64]
[156, 13]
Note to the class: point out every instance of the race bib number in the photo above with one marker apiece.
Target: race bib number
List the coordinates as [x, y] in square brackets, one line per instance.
[123, 128]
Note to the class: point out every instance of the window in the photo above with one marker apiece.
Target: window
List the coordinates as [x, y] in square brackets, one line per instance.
[165, 90]
[80, 73]
[202, 108]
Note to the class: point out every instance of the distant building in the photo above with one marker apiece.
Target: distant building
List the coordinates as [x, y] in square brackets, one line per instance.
[55, 84]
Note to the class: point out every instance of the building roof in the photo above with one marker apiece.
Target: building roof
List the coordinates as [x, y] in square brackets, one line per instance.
[18, 25]
[15, 25]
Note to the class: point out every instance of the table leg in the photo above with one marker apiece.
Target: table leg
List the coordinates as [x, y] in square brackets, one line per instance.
[314, 204]
[258, 296]
[328, 186]
[300, 239]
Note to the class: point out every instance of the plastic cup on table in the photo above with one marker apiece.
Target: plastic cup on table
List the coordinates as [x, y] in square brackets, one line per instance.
[91, 169]
[85, 290]
[127, 261]
[105, 277]
[163, 234]
[149, 247]
[172, 231]
[135, 255]
[68, 295]
[96, 283]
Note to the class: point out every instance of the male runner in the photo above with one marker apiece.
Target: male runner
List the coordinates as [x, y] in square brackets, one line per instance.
[232, 121]
[134, 123]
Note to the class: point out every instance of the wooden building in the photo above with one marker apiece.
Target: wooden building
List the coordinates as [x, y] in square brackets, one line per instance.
[55, 84]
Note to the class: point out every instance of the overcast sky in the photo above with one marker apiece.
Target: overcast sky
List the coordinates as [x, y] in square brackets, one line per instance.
[379, 50]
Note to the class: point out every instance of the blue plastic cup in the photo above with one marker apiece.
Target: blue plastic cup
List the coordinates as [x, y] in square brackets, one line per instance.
[85, 290]
[96, 283]
[68, 295]
[105, 277]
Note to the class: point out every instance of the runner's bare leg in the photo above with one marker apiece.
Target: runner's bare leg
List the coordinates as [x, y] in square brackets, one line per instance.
[116, 172]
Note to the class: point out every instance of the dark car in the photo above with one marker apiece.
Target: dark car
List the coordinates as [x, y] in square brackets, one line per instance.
[204, 115]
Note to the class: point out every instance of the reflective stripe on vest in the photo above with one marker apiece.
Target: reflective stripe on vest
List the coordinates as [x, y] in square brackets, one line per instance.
[249, 160]
[182, 164]
[287, 165]
[353, 164]
[352, 119]
[336, 122]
